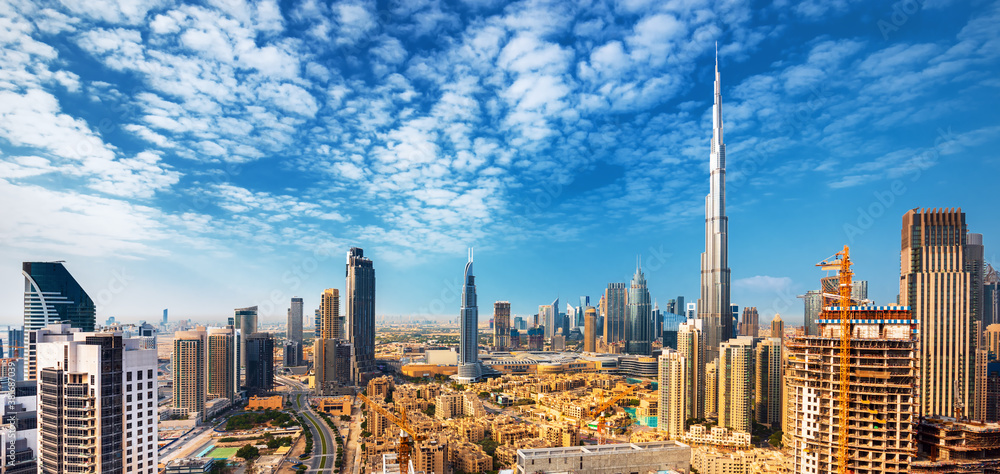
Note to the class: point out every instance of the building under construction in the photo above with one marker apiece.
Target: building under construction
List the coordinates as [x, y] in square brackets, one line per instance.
[949, 446]
[881, 392]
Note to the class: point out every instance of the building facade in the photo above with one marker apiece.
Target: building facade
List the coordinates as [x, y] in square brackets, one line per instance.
[221, 361]
[590, 329]
[615, 302]
[96, 403]
[189, 370]
[768, 382]
[260, 363]
[293, 326]
[673, 390]
[691, 345]
[245, 322]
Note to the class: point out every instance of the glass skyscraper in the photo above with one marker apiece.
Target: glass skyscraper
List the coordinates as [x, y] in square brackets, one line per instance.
[360, 296]
[639, 317]
[51, 296]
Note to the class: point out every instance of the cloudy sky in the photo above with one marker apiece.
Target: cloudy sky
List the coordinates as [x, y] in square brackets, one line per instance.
[216, 154]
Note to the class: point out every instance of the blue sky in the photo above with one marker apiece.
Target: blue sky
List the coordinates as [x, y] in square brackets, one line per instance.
[211, 155]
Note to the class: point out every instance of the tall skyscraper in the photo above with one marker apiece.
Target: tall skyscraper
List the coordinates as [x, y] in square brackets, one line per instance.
[222, 363]
[581, 311]
[590, 329]
[692, 310]
[736, 387]
[329, 311]
[813, 301]
[657, 321]
[189, 370]
[936, 284]
[318, 324]
[681, 308]
[615, 300]
[673, 391]
[735, 311]
[749, 326]
[260, 361]
[245, 322]
[639, 317]
[501, 325]
[691, 345]
[361, 315]
[671, 324]
[468, 348]
[51, 296]
[106, 383]
[713, 305]
[768, 382]
[293, 327]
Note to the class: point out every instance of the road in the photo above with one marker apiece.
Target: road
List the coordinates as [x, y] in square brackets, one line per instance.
[324, 446]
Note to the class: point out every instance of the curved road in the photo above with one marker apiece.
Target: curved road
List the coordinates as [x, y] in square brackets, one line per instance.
[323, 438]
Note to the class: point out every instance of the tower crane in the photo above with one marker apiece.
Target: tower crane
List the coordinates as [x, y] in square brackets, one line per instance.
[407, 435]
[599, 411]
[841, 262]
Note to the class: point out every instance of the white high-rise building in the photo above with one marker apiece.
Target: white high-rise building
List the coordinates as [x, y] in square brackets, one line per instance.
[675, 404]
[713, 305]
[736, 384]
[97, 408]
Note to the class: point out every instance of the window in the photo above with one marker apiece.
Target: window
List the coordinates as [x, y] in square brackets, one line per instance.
[128, 376]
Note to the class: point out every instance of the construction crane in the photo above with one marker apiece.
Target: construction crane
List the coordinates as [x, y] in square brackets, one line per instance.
[841, 262]
[407, 435]
[599, 411]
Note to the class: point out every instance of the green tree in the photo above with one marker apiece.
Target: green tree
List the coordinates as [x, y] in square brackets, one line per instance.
[248, 452]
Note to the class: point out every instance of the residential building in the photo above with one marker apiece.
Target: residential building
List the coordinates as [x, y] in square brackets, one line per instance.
[768, 382]
[711, 392]
[329, 313]
[691, 345]
[52, 296]
[673, 390]
[189, 370]
[777, 327]
[101, 381]
[361, 315]
[936, 283]
[222, 369]
[736, 387]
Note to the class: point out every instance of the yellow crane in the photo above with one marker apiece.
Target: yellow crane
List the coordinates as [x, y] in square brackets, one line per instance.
[407, 435]
[841, 262]
[599, 411]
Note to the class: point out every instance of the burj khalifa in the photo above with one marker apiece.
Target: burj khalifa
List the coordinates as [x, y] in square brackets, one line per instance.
[713, 305]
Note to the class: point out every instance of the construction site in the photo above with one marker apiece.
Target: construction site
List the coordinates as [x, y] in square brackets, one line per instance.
[948, 446]
[852, 388]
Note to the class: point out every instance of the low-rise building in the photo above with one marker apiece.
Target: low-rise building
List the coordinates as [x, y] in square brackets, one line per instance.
[606, 459]
[716, 436]
[336, 406]
[265, 403]
[189, 466]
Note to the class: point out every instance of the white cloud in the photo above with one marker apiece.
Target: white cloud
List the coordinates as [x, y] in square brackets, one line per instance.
[763, 284]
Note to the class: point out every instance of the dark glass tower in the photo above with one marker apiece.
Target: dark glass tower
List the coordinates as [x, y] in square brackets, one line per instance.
[468, 354]
[52, 295]
[361, 315]
[260, 363]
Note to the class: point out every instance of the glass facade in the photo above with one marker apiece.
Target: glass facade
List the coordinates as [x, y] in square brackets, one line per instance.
[52, 295]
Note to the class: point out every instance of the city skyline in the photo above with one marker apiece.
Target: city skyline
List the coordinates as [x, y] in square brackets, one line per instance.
[875, 112]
